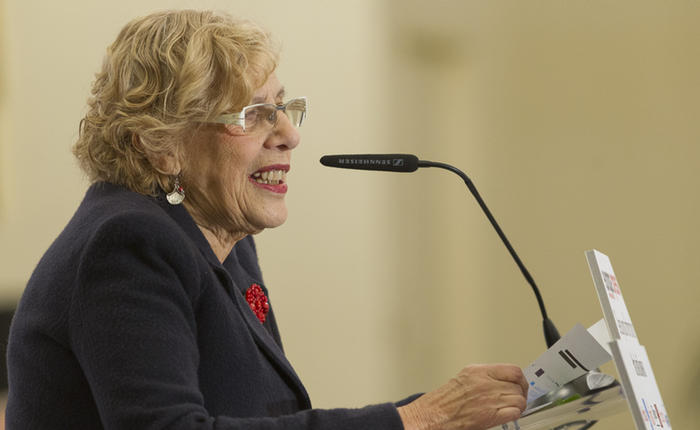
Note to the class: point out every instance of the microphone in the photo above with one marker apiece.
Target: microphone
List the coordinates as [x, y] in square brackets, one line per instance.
[411, 163]
[383, 162]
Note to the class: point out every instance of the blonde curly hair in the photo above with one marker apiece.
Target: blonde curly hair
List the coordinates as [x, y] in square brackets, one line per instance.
[164, 73]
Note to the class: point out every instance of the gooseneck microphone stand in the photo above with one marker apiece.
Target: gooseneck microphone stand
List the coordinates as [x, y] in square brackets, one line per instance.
[408, 163]
[551, 334]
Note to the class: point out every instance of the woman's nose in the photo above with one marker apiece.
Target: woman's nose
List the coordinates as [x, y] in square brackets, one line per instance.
[284, 135]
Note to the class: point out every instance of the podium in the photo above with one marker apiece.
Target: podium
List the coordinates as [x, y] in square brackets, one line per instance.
[581, 403]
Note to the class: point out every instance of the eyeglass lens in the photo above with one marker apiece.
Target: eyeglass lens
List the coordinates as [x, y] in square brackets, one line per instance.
[265, 116]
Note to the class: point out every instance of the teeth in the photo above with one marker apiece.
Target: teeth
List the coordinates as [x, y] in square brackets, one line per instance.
[270, 177]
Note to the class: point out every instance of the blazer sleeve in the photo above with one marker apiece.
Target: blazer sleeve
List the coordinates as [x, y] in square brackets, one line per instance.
[132, 328]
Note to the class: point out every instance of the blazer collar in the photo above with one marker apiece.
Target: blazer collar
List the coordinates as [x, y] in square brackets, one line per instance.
[231, 266]
[183, 218]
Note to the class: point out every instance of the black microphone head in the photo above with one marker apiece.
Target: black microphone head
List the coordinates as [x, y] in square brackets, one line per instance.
[551, 334]
[381, 162]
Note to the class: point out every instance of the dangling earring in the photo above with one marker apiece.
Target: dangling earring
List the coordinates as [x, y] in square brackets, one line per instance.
[177, 195]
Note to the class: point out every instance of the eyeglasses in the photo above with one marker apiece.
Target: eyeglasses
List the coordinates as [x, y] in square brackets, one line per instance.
[262, 117]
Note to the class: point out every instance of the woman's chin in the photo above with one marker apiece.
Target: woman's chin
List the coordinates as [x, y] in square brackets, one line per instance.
[272, 217]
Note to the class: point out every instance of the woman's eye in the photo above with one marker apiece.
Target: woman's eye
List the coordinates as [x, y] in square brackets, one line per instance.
[252, 115]
[267, 112]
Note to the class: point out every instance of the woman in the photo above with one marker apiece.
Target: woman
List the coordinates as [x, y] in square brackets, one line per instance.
[149, 310]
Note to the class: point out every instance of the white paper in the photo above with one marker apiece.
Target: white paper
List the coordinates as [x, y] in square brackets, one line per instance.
[640, 387]
[614, 308]
[631, 360]
[600, 332]
[573, 355]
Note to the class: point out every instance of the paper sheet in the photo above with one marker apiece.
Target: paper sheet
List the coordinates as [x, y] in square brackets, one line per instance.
[574, 354]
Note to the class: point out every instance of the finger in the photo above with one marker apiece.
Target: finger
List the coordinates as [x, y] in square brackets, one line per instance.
[503, 387]
[510, 373]
[512, 400]
[505, 372]
[506, 415]
[525, 386]
[517, 377]
[520, 380]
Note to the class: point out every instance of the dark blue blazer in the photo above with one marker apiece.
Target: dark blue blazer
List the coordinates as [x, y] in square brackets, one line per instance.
[130, 322]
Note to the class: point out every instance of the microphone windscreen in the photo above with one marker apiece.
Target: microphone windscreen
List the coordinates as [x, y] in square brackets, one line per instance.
[381, 162]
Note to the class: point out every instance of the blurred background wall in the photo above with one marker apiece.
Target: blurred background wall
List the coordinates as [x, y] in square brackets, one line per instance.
[577, 120]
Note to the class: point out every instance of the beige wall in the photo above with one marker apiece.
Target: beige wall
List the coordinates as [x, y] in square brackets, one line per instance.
[576, 120]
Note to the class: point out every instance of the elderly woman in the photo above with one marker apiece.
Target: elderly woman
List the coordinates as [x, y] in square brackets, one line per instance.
[149, 310]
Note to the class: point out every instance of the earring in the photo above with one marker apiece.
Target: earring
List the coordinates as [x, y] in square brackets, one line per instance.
[177, 195]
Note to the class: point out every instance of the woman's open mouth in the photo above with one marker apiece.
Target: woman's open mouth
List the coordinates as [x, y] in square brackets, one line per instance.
[271, 178]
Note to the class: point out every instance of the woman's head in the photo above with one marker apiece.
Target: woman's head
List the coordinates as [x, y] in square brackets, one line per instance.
[164, 74]
[235, 179]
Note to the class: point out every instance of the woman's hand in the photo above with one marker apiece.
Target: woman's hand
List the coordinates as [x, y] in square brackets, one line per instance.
[479, 397]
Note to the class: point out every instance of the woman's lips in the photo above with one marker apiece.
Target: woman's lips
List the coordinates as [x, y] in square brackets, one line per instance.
[272, 178]
[278, 188]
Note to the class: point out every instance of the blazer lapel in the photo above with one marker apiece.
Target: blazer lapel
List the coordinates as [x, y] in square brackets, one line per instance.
[262, 337]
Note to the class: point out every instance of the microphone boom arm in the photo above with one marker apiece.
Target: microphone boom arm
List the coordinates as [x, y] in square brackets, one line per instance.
[551, 333]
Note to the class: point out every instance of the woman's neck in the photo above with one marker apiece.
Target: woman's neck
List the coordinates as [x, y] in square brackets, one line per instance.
[221, 244]
[221, 239]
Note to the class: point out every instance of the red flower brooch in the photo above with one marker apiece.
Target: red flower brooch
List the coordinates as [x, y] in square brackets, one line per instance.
[257, 300]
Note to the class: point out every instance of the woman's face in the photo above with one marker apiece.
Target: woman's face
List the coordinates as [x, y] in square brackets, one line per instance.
[224, 169]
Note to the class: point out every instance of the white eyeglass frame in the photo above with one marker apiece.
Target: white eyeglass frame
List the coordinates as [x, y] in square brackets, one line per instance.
[238, 118]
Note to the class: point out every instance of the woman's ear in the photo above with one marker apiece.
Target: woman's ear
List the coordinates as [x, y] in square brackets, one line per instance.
[167, 163]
